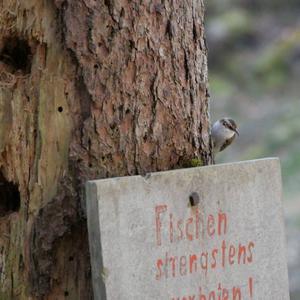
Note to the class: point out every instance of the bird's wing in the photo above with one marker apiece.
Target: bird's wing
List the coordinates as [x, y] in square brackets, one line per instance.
[227, 143]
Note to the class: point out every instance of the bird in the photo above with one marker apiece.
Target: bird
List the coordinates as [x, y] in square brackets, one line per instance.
[223, 133]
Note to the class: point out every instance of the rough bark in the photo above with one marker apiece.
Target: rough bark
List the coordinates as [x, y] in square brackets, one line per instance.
[88, 89]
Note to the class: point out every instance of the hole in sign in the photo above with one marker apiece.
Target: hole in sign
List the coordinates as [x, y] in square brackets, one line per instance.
[194, 199]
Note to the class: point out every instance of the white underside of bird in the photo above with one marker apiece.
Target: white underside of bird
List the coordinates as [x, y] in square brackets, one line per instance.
[223, 133]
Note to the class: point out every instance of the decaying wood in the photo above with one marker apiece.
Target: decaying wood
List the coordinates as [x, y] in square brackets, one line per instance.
[88, 89]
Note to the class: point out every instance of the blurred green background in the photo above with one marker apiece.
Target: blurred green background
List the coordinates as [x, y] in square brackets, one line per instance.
[254, 71]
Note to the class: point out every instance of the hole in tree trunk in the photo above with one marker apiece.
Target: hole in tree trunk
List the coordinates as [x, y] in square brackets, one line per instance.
[16, 53]
[9, 197]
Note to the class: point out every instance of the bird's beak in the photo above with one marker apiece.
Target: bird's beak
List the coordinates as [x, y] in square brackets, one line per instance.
[236, 131]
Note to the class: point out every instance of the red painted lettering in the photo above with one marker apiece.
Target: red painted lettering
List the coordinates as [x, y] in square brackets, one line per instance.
[159, 264]
[173, 260]
[236, 293]
[250, 247]
[231, 254]
[250, 283]
[166, 265]
[179, 227]
[212, 295]
[242, 252]
[223, 253]
[205, 262]
[201, 296]
[210, 225]
[213, 255]
[159, 209]
[171, 228]
[225, 294]
[187, 232]
[193, 263]
[222, 223]
[182, 265]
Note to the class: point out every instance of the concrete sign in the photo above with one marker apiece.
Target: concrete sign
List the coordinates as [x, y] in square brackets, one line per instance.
[208, 233]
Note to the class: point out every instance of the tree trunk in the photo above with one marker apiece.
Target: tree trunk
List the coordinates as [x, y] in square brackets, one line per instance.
[88, 89]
